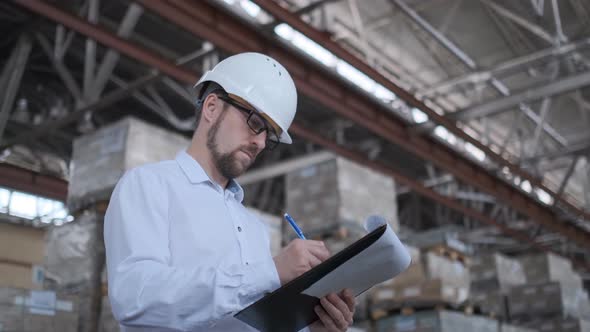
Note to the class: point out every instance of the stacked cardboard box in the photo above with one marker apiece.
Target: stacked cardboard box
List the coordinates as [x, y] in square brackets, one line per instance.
[549, 267]
[495, 271]
[559, 324]
[331, 201]
[100, 158]
[547, 299]
[553, 288]
[440, 237]
[452, 272]
[22, 249]
[427, 293]
[492, 276]
[70, 249]
[33, 311]
[436, 321]
[339, 193]
[429, 279]
[107, 322]
[492, 303]
[11, 315]
[514, 328]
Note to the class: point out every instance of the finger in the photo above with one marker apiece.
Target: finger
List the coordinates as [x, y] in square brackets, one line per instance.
[320, 252]
[325, 318]
[337, 316]
[315, 243]
[348, 297]
[320, 245]
[308, 243]
[341, 306]
[313, 261]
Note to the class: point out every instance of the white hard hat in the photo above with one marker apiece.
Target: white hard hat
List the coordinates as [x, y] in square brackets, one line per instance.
[262, 82]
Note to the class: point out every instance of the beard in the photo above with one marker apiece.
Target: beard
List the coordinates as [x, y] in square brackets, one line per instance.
[228, 164]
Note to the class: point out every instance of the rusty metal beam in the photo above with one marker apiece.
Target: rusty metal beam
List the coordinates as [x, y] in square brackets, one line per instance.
[32, 182]
[106, 38]
[209, 22]
[282, 14]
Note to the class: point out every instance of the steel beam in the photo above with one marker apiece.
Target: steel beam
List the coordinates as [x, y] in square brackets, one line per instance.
[568, 174]
[60, 68]
[535, 29]
[357, 21]
[209, 22]
[182, 91]
[313, 6]
[283, 167]
[11, 78]
[536, 119]
[466, 59]
[31, 182]
[90, 58]
[303, 11]
[74, 116]
[159, 106]
[538, 6]
[560, 36]
[508, 66]
[577, 149]
[545, 105]
[429, 183]
[106, 38]
[498, 106]
[110, 59]
[437, 35]
[102, 103]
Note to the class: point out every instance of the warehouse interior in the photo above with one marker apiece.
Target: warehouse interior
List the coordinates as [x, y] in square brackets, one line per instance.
[464, 123]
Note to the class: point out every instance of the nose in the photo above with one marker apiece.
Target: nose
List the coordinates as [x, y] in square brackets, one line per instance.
[259, 140]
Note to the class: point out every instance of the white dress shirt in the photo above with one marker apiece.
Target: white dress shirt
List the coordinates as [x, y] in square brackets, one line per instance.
[183, 254]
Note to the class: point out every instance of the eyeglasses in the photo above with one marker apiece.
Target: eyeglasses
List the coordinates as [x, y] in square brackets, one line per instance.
[256, 123]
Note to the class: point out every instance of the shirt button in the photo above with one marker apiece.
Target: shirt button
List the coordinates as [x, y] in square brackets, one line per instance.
[247, 263]
[239, 229]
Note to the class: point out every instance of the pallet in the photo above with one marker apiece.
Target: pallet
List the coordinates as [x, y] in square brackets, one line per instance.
[450, 253]
[406, 308]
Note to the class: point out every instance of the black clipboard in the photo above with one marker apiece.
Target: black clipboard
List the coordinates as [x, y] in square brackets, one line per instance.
[287, 309]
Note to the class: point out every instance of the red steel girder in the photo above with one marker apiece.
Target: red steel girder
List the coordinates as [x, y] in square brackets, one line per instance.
[223, 29]
[324, 39]
[32, 182]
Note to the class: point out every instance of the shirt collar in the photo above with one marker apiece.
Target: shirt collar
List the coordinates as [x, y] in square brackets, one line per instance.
[196, 174]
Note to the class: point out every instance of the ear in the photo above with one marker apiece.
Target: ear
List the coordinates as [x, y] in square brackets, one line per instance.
[211, 108]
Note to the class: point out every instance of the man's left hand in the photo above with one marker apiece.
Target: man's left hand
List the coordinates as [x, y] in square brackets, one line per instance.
[335, 312]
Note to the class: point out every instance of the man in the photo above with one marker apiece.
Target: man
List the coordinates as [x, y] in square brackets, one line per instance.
[182, 251]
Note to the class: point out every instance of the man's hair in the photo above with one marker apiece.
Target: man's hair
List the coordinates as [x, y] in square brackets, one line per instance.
[207, 89]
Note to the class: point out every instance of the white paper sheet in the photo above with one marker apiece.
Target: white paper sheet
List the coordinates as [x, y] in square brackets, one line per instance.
[383, 260]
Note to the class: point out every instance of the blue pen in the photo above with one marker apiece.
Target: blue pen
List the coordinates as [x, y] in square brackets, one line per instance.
[294, 225]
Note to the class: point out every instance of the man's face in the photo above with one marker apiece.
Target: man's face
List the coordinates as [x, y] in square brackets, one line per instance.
[233, 146]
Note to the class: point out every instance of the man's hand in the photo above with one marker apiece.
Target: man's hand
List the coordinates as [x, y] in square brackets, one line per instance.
[335, 312]
[298, 257]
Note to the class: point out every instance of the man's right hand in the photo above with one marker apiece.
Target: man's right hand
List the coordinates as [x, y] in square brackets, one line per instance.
[298, 257]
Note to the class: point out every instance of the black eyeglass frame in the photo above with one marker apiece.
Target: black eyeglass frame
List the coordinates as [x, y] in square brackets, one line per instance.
[270, 143]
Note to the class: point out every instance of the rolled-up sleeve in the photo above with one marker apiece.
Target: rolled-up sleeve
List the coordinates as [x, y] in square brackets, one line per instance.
[144, 289]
